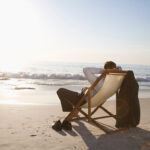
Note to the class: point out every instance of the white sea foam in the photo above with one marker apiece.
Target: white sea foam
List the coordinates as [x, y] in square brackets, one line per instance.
[143, 79]
[25, 75]
[42, 76]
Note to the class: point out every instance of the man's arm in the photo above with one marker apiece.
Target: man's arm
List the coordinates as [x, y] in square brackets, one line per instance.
[90, 73]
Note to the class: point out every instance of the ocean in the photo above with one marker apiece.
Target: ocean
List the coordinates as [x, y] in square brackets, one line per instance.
[37, 83]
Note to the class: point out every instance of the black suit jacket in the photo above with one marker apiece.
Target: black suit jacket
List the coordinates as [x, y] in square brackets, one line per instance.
[128, 107]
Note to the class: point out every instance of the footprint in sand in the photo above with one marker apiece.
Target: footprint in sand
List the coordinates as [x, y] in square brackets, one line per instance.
[32, 135]
[60, 141]
[28, 118]
[4, 145]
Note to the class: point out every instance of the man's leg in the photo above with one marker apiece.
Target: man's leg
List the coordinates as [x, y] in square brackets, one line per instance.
[72, 96]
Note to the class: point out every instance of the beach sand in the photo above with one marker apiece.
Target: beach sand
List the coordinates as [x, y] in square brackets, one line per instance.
[29, 127]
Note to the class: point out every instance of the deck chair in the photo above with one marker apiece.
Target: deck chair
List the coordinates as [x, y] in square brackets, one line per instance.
[111, 85]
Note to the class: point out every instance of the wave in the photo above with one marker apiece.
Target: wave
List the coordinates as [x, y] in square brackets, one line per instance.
[42, 76]
[143, 79]
[62, 83]
[26, 75]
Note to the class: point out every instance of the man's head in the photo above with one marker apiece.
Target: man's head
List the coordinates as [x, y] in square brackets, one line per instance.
[109, 65]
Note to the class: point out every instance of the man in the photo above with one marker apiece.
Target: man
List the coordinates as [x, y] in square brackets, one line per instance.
[74, 97]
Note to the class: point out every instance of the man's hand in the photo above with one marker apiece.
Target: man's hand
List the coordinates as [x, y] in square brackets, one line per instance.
[84, 89]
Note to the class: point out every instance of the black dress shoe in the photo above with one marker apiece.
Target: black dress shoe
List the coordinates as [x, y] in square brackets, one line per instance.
[66, 125]
[57, 126]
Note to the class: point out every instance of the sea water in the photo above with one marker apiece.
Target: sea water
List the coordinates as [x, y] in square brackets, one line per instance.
[37, 83]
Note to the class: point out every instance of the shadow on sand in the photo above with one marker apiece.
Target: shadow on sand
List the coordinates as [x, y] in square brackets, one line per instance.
[132, 139]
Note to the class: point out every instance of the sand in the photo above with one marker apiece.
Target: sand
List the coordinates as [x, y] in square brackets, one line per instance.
[29, 127]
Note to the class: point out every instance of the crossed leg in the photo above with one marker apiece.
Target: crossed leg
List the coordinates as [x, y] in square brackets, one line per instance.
[68, 100]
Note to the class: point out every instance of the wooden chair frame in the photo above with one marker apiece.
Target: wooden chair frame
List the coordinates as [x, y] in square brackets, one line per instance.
[90, 112]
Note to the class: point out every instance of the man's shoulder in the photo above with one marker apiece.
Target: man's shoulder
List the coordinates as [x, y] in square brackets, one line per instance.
[119, 67]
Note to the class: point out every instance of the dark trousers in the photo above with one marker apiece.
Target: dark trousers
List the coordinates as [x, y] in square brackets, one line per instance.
[72, 96]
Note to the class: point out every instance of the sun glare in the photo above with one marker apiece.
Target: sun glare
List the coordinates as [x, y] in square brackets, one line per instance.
[20, 33]
[10, 64]
[8, 96]
[8, 102]
[9, 93]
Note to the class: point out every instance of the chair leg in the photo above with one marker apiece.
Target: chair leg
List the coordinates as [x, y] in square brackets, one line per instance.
[89, 106]
[108, 112]
[90, 119]
[68, 117]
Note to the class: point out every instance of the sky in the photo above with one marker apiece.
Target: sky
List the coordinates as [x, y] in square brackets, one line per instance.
[75, 30]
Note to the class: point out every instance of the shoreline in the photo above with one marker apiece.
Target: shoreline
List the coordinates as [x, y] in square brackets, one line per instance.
[53, 104]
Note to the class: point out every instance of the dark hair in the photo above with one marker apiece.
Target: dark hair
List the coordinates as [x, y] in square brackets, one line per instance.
[109, 65]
